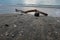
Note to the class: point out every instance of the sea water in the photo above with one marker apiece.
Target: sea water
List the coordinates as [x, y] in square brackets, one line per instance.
[9, 6]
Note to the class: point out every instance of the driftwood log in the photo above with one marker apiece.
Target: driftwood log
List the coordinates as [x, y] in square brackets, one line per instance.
[37, 12]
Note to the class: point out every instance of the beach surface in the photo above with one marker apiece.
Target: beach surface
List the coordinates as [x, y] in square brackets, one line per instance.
[29, 27]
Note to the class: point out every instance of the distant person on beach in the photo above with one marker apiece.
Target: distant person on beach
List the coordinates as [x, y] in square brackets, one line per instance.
[37, 12]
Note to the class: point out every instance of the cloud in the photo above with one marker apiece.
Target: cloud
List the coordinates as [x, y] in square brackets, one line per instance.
[30, 1]
[46, 2]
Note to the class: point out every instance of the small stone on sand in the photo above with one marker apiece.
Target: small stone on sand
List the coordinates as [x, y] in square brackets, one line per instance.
[12, 35]
[6, 33]
[21, 31]
[15, 25]
[6, 25]
[20, 34]
[56, 32]
[58, 21]
[1, 34]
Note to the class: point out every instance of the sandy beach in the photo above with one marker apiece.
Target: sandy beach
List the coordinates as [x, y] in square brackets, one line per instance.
[29, 27]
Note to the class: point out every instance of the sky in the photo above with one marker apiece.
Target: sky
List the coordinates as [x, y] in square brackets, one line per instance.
[40, 2]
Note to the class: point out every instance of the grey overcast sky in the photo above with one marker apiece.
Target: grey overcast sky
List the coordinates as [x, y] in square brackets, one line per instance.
[40, 2]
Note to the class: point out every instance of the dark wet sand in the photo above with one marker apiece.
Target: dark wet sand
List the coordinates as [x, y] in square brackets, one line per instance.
[28, 27]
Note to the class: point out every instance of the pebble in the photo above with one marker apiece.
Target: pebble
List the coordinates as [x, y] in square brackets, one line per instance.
[1, 34]
[58, 20]
[6, 25]
[15, 25]
[12, 35]
[22, 31]
[20, 34]
[6, 33]
[56, 32]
